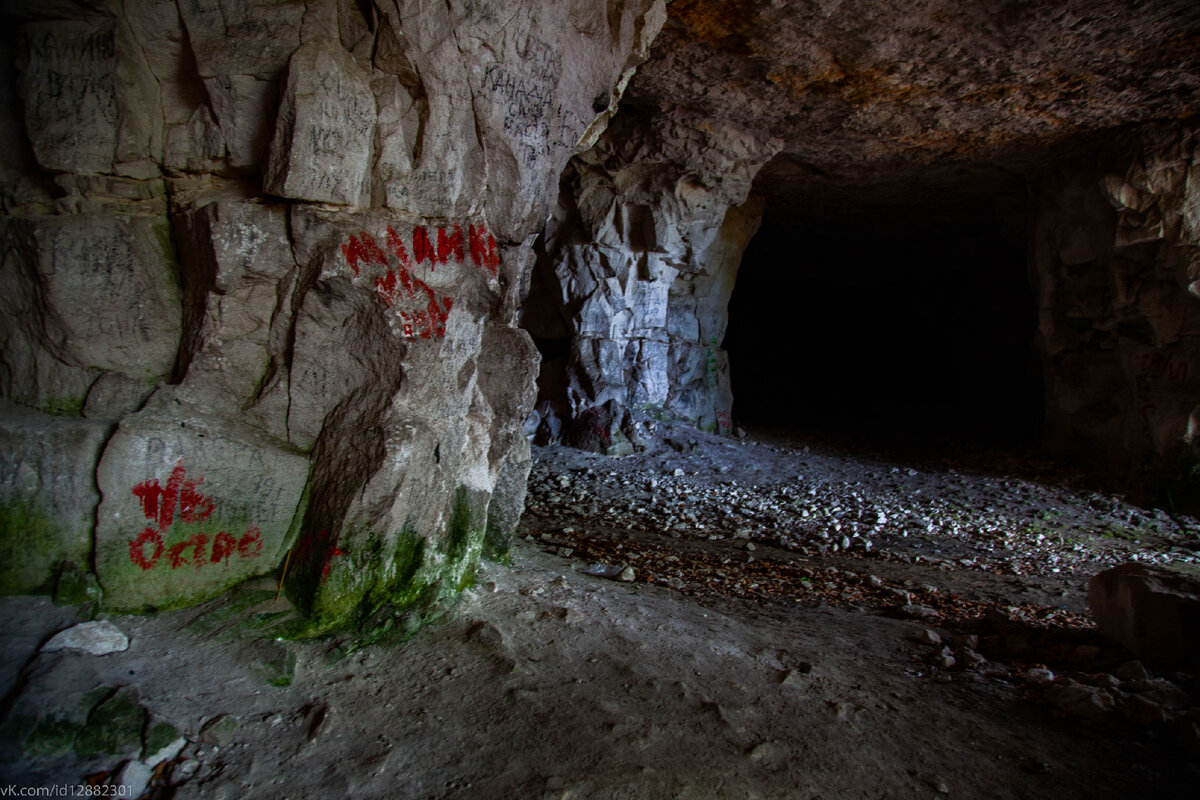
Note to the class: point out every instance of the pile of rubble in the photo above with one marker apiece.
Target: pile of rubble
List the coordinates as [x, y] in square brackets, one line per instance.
[786, 524]
[1006, 525]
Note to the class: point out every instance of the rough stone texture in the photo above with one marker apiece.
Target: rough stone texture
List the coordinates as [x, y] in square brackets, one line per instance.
[640, 261]
[606, 428]
[82, 295]
[1117, 259]
[239, 50]
[308, 228]
[98, 638]
[888, 105]
[322, 145]
[47, 504]
[1078, 700]
[282, 246]
[908, 111]
[90, 99]
[192, 504]
[240, 283]
[1153, 611]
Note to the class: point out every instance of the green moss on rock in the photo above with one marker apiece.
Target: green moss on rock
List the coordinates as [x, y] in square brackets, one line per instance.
[159, 735]
[374, 592]
[52, 736]
[497, 540]
[63, 406]
[464, 524]
[33, 548]
[114, 727]
[275, 664]
[135, 588]
[75, 585]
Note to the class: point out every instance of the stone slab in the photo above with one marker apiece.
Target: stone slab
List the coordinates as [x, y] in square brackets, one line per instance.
[192, 504]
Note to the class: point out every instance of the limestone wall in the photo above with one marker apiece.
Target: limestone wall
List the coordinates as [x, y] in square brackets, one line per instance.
[1116, 251]
[639, 262]
[261, 266]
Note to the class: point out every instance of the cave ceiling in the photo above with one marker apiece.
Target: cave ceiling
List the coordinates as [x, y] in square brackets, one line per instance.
[921, 103]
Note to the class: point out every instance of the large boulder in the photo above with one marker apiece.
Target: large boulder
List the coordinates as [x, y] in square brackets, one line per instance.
[192, 504]
[1153, 611]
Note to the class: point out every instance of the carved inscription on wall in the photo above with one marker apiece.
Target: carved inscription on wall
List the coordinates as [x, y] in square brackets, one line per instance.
[322, 148]
[65, 78]
[525, 93]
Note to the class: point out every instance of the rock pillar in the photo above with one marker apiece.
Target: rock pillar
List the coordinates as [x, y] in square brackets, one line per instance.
[261, 268]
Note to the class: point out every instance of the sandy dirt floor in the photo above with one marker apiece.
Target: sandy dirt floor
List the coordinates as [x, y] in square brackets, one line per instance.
[710, 618]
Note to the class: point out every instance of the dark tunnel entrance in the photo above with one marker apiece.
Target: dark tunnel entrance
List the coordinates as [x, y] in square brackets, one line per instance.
[915, 336]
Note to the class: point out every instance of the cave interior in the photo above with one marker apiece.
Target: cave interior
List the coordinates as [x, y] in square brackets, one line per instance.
[688, 398]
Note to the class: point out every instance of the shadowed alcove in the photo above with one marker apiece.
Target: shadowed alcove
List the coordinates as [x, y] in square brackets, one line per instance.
[915, 330]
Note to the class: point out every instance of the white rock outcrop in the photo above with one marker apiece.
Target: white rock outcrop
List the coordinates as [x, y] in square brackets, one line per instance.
[274, 254]
[639, 264]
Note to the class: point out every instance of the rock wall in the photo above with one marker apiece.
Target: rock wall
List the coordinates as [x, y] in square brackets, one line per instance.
[632, 287]
[261, 267]
[1116, 252]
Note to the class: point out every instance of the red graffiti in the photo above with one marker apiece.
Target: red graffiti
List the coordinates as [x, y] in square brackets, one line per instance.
[196, 542]
[450, 245]
[160, 505]
[250, 545]
[422, 310]
[483, 250]
[399, 287]
[422, 248]
[137, 548]
[223, 547]
[724, 425]
[324, 547]
[363, 249]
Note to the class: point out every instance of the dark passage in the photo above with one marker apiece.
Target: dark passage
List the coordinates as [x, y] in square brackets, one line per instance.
[917, 335]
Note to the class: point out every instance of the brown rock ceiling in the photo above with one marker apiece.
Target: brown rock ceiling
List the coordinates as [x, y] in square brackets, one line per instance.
[921, 102]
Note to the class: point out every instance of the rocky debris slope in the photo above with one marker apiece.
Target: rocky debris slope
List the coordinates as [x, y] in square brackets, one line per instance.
[692, 485]
[997, 564]
[260, 266]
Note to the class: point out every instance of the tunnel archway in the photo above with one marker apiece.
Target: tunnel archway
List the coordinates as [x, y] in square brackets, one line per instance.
[915, 330]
